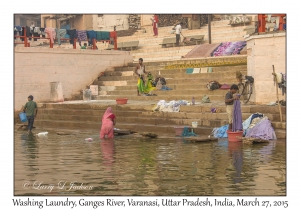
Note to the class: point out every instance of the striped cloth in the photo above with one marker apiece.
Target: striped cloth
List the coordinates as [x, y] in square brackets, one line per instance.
[81, 34]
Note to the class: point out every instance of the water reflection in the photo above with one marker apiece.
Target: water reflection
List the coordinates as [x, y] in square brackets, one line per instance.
[107, 151]
[236, 154]
[167, 167]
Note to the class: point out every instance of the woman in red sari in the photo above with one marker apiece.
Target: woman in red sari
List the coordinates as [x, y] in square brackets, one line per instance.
[155, 25]
[108, 122]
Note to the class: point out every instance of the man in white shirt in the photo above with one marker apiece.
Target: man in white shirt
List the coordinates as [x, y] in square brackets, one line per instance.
[178, 32]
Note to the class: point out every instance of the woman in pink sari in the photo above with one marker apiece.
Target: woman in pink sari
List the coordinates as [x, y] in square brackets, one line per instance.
[108, 122]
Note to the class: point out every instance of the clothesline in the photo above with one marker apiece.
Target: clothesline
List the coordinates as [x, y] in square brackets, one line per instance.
[71, 34]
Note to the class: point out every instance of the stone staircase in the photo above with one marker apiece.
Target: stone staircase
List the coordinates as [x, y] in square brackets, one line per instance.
[139, 117]
[137, 114]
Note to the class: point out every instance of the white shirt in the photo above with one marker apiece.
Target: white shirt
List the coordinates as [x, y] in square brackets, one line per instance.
[178, 29]
[141, 70]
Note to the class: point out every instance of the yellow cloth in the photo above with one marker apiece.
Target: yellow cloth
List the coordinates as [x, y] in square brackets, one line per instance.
[229, 111]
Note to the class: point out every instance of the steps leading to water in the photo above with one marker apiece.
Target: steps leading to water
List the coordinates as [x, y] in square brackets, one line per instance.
[142, 119]
[137, 115]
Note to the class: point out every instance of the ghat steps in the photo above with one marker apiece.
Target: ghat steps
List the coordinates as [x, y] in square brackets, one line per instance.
[138, 116]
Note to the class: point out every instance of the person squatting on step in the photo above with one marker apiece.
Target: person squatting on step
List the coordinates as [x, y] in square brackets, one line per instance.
[140, 71]
[31, 111]
[229, 99]
[108, 122]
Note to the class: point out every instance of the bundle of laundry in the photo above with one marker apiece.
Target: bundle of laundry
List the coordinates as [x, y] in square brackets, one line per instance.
[172, 106]
[213, 85]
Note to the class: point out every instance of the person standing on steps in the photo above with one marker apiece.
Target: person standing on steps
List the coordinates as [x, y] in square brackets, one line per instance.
[155, 25]
[229, 99]
[140, 71]
[31, 112]
[178, 32]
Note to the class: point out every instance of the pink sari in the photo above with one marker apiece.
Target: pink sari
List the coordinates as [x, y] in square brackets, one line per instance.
[107, 127]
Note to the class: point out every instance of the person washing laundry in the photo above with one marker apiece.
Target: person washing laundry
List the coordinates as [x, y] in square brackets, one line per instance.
[140, 71]
[31, 111]
[108, 123]
[229, 99]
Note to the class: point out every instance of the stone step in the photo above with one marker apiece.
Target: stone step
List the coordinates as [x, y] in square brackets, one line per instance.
[191, 60]
[175, 71]
[162, 93]
[180, 76]
[135, 106]
[213, 98]
[160, 129]
[205, 120]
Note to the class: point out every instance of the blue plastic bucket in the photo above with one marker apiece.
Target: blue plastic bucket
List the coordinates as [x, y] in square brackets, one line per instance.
[23, 117]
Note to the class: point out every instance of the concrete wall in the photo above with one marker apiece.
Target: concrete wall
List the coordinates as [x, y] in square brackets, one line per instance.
[264, 51]
[107, 22]
[75, 69]
[145, 20]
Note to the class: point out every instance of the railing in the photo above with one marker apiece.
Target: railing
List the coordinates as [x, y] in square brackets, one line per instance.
[27, 43]
[262, 21]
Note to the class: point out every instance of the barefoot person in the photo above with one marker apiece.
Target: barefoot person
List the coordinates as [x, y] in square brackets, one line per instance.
[108, 122]
[140, 71]
[31, 112]
[229, 99]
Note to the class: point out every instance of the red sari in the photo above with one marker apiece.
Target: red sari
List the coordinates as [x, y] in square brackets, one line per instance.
[107, 127]
[155, 25]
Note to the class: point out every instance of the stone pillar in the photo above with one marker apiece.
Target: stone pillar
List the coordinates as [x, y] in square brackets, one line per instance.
[264, 51]
[56, 92]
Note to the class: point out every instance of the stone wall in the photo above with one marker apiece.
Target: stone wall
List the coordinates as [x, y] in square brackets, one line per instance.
[75, 69]
[107, 22]
[264, 51]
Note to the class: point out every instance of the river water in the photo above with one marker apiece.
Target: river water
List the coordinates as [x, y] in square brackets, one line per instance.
[69, 165]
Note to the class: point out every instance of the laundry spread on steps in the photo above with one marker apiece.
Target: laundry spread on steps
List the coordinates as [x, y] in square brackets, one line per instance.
[257, 125]
[172, 106]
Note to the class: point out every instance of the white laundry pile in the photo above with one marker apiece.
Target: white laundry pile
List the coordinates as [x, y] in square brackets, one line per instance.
[172, 106]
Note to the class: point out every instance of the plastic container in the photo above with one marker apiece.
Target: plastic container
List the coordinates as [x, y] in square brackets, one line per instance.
[23, 117]
[178, 130]
[121, 101]
[232, 135]
[194, 124]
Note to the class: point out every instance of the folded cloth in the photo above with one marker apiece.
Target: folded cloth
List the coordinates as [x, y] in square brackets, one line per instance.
[196, 70]
[189, 70]
[204, 70]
